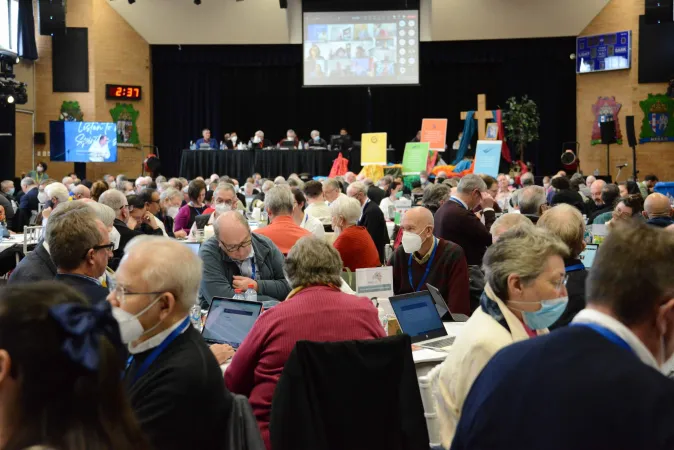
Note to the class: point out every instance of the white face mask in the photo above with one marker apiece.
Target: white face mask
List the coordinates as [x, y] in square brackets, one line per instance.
[172, 211]
[115, 237]
[256, 140]
[130, 327]
[42, 197]
[112, 185]
[423, 180]
[411, 242]
[222, 208]
[290, 137]
[233, 139]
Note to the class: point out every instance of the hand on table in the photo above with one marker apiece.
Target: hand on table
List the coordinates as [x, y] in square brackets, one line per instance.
[242, 283]
[222, 352]
[180, 234]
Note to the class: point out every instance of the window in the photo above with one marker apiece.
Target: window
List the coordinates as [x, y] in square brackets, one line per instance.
[9, 24]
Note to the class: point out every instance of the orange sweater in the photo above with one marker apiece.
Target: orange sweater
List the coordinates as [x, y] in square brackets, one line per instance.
[357, 249]
[283, 232]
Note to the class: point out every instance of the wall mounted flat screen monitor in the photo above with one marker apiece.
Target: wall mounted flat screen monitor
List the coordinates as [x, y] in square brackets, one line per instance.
[83, 141]
[364, 48]
[604, 52]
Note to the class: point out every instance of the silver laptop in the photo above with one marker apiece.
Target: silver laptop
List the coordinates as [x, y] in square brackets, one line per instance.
[194, 246]
[229, 321]
[443, 309]
[419, 318]
[587, 257]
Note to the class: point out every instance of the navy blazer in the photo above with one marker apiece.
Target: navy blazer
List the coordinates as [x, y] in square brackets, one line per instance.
[91, 289]
[36, 266]
[27, 205]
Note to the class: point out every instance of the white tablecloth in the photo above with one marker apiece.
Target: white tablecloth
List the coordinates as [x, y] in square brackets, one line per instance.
[14, 239]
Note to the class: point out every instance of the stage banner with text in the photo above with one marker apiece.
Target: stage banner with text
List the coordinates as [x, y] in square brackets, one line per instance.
[415, 158]
[434, 131]
[373, 149]
[487, 157]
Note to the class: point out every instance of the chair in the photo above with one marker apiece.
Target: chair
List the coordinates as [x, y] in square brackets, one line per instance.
[243, 432]
[31, 236]
[430, 413]
[354, 395]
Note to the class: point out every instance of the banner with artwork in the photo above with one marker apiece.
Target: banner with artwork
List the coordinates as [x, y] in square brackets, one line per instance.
[606, 110]
[125, 116]
[657, 126]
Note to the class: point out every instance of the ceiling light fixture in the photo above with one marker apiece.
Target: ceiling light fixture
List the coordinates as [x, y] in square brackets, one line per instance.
[197, 2]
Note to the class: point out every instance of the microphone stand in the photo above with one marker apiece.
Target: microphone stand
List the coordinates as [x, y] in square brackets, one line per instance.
[620, 168]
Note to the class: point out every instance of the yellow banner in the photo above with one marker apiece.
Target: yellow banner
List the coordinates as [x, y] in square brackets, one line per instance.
[373, 148]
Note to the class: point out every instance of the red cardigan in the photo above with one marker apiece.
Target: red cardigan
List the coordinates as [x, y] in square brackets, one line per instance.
[357, 249]
[318, 313]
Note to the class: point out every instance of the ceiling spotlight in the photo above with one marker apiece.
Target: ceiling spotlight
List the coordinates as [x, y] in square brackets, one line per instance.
[197, 2]
[131, 2]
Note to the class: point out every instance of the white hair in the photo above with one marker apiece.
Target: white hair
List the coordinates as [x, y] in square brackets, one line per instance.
[182, 280]
[279, 200]
[315, 133]
[170, 193]
[28, 181]
[114, 199]
[57, 190]
[103, 212]
[358, 187]
[67, 180]
[471, 182]
[259, 133]
[527, 179]
[348, 208]
[279, 180]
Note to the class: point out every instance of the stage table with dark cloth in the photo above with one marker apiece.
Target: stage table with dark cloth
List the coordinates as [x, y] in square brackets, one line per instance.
[241, 164]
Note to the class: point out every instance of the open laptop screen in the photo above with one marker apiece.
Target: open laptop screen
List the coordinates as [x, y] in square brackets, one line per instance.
[587, 257]
[229, 321]
[194, 246]
[417, 315]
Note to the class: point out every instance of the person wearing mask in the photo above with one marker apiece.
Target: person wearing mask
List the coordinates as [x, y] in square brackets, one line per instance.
[81, 191]
[290, 136]
[28, 204]
[79, 244]
[610, 194]
[68, 182]
[316, 205]
[196, 193]
[62, 401]
[532, 202]
[332, 190]
[658, 211]
[234, 258]
[371, 218]
[316, 310]
[525, 293]
[456, 222]
[40, 173]
[232, 141]
[258, 141]
[423, 177]
[172, 379]
[603, 377]
[646, 187]
[423, 258]
[282, 229]
[207, 141]
[224, 199]
[109, 180]
[354, 243]
[566, 222]
[170, 201]
[393, 193]
[317, 140]
[7, 202]
[302, 218]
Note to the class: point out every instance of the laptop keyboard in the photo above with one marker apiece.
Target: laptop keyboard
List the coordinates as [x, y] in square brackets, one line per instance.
[446, 342]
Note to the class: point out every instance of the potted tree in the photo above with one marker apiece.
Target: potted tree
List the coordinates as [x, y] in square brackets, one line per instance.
[521, 121]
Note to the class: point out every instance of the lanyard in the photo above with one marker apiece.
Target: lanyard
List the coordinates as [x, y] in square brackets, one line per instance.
[452, 199]
[252, 265]
[608, 334]
[306, 218]
[575, 268]
[428, 267]
[157, 351]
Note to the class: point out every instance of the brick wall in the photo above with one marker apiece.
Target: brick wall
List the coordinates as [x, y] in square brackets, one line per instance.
[657, 158]
[117, 54]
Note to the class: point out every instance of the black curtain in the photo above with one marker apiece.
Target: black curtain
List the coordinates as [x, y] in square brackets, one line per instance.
[27, 46]
[246, 88]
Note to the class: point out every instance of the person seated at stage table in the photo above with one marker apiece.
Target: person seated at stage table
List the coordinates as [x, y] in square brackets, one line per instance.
[290, 136]
[316, 140]
[422, 258]
[316, 310]
[354, 243]
[206, 139]
[234, 258]
[302, 218]
[196, 192]
[282, 230]
[259, 141]
[169, 202]
[231, 140]
[524, 269]
[372, 218]
[316, 205]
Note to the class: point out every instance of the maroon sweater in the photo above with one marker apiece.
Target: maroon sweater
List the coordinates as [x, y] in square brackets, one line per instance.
[455, 223]
[318, 313]
[448, 273]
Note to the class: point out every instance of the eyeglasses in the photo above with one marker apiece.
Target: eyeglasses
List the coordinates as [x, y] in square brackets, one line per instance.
[121, 292]
[233, 248]
[562, 282]
[125, 206]
[108, 247]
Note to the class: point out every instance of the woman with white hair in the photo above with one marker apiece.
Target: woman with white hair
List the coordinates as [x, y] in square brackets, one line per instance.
[354, 243]
[525, 293]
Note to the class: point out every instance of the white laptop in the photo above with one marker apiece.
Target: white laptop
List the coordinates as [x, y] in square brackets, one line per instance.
[443, 309]
[419, 318]
[194, 246]
[229, 321]
[587, 257]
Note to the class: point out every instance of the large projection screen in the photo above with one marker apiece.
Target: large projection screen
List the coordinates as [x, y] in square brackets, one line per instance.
[364, 48]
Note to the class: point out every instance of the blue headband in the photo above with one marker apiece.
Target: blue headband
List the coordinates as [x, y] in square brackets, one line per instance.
[84, 325]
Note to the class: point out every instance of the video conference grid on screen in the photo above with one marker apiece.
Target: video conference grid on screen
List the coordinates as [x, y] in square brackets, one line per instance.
[361, 48]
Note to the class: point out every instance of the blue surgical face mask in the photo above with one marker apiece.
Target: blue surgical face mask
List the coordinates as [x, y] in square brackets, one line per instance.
[11, 191]
[550, 312]
[399, 194]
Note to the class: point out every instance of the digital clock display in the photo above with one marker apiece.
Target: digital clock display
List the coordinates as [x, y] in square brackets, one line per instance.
[119, 91]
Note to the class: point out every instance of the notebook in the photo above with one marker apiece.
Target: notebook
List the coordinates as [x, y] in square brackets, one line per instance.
[228, 321]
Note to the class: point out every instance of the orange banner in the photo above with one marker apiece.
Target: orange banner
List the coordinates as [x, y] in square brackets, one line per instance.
[434, 131]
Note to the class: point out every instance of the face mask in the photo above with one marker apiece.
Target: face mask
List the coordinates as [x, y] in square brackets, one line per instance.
[112, 185]
[40, 169]
[411, 242]
[222, 208]
[115, 237]
[423, 180]
[550, 312]
[233, 139]
[317, 138]
[399, 194]
[172, 211]
[256, 140]
[130, 327]
[42, 197]
[11, 191]
[290, 137]
[511, 182]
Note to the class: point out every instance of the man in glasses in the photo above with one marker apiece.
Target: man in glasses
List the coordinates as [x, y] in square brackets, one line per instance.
[235, 258]
[79, 245]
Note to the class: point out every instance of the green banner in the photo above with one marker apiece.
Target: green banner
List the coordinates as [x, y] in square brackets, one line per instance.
[415, 158]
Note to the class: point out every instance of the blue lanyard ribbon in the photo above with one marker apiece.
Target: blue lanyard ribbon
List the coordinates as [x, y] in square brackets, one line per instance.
[252, 265]
[452, 199]
[157, 351]
[428, 267]
[575, 268]
[608, 334]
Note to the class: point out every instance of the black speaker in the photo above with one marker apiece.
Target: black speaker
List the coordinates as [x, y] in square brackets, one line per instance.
[631, 135]
[40, 138]
[51, 16]
[607, 132]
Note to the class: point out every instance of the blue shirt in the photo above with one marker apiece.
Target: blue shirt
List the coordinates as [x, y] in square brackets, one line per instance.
[212, 142]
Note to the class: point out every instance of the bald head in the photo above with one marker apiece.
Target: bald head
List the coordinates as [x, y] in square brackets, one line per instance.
[596, 189]
[81, 192]
[417, 219]
[657, 205]
[232, 231]
[507, 222]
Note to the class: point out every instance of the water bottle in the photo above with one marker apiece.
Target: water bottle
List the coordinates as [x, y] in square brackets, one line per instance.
[3, 231]
[383, 319]
[251, 293]
[222, 145]
[193, 146]
[301, 147]
[195, 316]
[238, 295]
